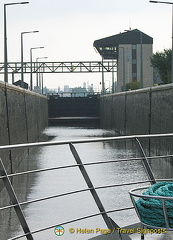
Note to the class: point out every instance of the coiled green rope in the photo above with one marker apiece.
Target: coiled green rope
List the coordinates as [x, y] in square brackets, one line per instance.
[151, 210]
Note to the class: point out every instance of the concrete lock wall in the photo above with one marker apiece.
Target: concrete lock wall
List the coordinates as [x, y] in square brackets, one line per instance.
[144, 111]
[23, 116]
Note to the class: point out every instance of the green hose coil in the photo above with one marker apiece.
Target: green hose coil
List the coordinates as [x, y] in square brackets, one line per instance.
[151, 210]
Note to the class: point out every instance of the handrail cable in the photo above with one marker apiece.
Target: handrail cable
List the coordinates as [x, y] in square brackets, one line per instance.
[80, 190]
[91, 140]
[73, 192]
[86, 164]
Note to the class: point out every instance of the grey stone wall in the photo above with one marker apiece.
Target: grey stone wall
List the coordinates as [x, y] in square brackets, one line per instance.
[145, 111]
[23, 116]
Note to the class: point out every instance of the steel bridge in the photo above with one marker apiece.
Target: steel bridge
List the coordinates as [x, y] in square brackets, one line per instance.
[61, 67]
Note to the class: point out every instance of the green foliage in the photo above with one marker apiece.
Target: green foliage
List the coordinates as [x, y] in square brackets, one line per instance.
[132, 85]
[162, 61]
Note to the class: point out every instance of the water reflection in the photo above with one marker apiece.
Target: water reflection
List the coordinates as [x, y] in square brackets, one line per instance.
[57, 211]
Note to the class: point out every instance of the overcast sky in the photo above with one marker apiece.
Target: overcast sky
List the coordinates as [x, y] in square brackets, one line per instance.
[68, 28]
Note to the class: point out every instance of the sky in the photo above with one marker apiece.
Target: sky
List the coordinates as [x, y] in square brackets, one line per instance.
[68, 28]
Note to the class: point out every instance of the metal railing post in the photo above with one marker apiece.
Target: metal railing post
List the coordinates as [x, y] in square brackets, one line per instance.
[109, 222]
[90, 186]
[15, 201]
[145, 162]
[165, 214]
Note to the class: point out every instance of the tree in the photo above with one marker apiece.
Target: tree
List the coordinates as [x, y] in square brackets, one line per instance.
[132, 85]
[162, 62]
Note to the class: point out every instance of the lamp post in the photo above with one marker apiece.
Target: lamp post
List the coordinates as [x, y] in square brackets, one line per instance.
[108, 87]
[103, 82]
[31, 81]
[37, 72]
[5, 40]
[22, 75]
[172, 35]
[113, 84]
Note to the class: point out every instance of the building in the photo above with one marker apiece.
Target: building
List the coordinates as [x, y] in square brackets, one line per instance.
[132, 49]
[67, 89]
[19, 84]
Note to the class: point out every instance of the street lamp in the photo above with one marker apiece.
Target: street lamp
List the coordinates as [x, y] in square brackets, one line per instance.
[31, 81]
[103, 83]
[113, 84]
[108, 87]
[22, 75]
[172, 36]
[5, 40]
[37, 72]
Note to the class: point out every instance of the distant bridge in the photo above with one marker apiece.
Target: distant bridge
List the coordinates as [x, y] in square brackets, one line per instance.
[61, 67]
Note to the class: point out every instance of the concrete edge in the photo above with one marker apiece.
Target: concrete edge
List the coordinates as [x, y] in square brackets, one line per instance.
[19, 89]
[148, 89]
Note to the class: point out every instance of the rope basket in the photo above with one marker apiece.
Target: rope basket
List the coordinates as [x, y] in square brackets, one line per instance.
[155, 206]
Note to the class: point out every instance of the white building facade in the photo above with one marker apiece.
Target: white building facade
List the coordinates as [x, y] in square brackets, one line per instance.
[133, 50]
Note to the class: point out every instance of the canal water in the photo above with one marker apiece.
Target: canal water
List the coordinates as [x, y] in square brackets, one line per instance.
[56, 211]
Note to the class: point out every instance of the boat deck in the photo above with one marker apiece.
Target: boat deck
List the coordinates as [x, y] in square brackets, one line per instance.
[137, 236]
[167, 236]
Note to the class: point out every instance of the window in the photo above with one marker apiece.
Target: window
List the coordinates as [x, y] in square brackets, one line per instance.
[134, 61]
[133, 46]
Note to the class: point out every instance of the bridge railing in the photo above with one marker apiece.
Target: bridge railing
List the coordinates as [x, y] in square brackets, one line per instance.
[28, 233]
[77, 94]
[74, 94]
[61, 67]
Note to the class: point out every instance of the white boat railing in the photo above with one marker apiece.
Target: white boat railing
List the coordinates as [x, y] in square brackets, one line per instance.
[82, 167]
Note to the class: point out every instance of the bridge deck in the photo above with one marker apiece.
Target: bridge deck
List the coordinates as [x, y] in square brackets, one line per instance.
[61, 67]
